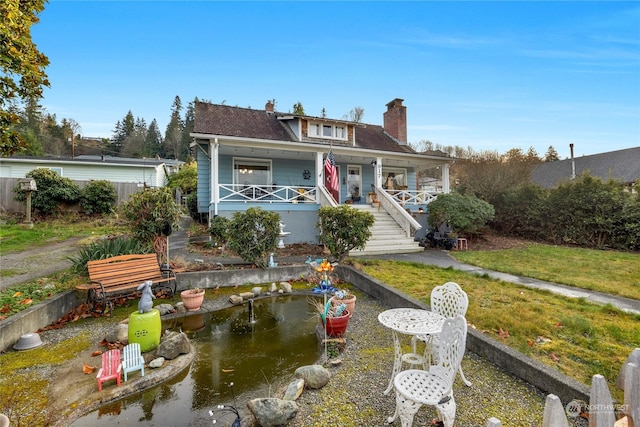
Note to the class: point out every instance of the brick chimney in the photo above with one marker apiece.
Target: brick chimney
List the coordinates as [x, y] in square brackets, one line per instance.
[395, 120]
[269, 106]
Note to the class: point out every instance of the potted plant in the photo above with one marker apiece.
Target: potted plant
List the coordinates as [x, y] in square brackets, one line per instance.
[192, 298]
[344, 297]
[334, 318]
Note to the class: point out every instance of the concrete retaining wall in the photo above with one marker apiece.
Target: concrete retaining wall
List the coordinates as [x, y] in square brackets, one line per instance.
[521, 366]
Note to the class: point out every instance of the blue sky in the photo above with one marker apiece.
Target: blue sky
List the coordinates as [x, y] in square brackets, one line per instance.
[486, 75]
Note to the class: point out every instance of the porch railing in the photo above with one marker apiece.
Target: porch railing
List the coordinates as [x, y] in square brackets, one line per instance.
[267, 193]
[412, 197]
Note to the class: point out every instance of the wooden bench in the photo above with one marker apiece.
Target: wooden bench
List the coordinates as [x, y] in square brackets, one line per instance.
[118, 276]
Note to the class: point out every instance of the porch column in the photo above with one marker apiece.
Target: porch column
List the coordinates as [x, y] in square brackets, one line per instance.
[377, 176]
[445, 179]
[319, 174]
[213, 176]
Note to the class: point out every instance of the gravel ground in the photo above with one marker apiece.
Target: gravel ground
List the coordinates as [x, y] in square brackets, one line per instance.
[354, 395]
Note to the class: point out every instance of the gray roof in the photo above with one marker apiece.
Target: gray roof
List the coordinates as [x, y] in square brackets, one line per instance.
[215, 119]
[621, 165]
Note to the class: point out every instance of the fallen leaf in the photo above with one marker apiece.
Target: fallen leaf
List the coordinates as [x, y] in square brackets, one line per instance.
[17, 294]
[88, 369]
[542, 340]
[227, 370]
[531, 343]
[26, 301]
[503, 334]
[96, 353]
[554, 357]
[558, 325]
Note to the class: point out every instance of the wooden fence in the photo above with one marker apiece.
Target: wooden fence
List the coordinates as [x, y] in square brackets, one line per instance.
[8, 204]
[601, 411]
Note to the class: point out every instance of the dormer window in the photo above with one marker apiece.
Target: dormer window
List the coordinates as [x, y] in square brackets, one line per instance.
[329, 131]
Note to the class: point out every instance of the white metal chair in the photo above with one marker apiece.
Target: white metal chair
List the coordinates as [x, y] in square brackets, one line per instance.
[448, 300]
[415, 387]
[132, 359]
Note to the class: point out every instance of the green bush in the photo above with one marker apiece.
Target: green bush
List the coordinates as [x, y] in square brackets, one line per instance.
[253, 234]
[465, 214]
[107, 248]
[151, 213]
[343, 228]
[53, 190]
[519, 212]
[192, 205]
[98, 197]
[219, 230]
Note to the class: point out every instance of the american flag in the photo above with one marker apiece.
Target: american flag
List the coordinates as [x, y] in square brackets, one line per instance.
[331, 175]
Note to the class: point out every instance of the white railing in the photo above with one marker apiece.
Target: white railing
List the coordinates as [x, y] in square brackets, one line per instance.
[267, 193]
[396, 210]
[412, 197]
[601, 410]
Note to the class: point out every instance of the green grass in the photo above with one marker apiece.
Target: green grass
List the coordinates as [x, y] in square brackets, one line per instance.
[15, 237]
[584, 339]
[610, 272]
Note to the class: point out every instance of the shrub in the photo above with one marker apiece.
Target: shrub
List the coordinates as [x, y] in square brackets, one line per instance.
[151, 213]
[519, 212]
[253, 234]
[107, 248]
[343, 228]
[53, 190]
[98, 197]
[192, 205]
[219, 230]
[465, 214]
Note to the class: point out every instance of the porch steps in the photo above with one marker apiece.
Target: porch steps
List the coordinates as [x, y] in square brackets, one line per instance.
[387, 237]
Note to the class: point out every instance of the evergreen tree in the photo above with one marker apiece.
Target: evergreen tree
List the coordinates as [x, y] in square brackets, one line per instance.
[189, 123]
[298, 109]
[153, 142]
[133, 145]
[173, 134]
[551, 155]
[122, 131]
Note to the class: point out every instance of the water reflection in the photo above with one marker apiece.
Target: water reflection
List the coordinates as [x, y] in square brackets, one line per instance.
[258, 357]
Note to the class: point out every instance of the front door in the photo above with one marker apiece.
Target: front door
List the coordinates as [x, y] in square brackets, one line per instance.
[354, 182]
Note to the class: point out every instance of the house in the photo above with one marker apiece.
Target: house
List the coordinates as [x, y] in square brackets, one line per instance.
[620, 165]
[149, 172]
[128, 175]
[248, 157]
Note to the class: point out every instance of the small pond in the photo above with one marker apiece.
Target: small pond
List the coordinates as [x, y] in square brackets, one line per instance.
[257, 356]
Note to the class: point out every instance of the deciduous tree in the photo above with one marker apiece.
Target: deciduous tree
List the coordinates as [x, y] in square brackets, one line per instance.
[22, 67]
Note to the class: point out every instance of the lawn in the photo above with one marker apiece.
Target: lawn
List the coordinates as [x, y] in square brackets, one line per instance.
[610, 272]
[15, 237]
[571, 335]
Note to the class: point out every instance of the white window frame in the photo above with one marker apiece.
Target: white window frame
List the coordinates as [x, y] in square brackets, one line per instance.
[396, 171]
[327, 131]
[244, 161]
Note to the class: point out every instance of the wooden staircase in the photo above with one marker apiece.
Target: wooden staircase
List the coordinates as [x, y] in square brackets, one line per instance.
[387, 237]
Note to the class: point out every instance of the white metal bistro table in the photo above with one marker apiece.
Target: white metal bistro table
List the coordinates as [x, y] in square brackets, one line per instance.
[408, 321]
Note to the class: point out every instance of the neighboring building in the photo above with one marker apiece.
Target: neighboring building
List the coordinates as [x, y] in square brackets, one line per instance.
[147, 172]
[621, 165]
[276, 161]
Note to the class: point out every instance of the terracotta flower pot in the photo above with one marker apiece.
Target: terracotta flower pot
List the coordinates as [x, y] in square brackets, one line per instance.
[192, 301]
[337, 326]
[350, 302]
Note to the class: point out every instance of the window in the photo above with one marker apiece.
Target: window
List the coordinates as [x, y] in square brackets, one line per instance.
[394, 179]
[56, 170]
[251, 171]
[317, 130]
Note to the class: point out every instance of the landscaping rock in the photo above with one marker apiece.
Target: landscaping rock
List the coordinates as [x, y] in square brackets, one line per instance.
[285, 287]
[173, 345]
[273, 288]
[314, 376]
[294, 390]
[120, 333]
[246, 295]
[272, 412]
[157, 363]
[235, 299]
[165, 309]
[256, 291]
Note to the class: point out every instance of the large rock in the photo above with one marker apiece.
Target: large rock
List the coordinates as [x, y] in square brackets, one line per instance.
[294, 389]
[173, 345]
[285, 287]
[120, 333]
[271, 412]
[314, 376]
